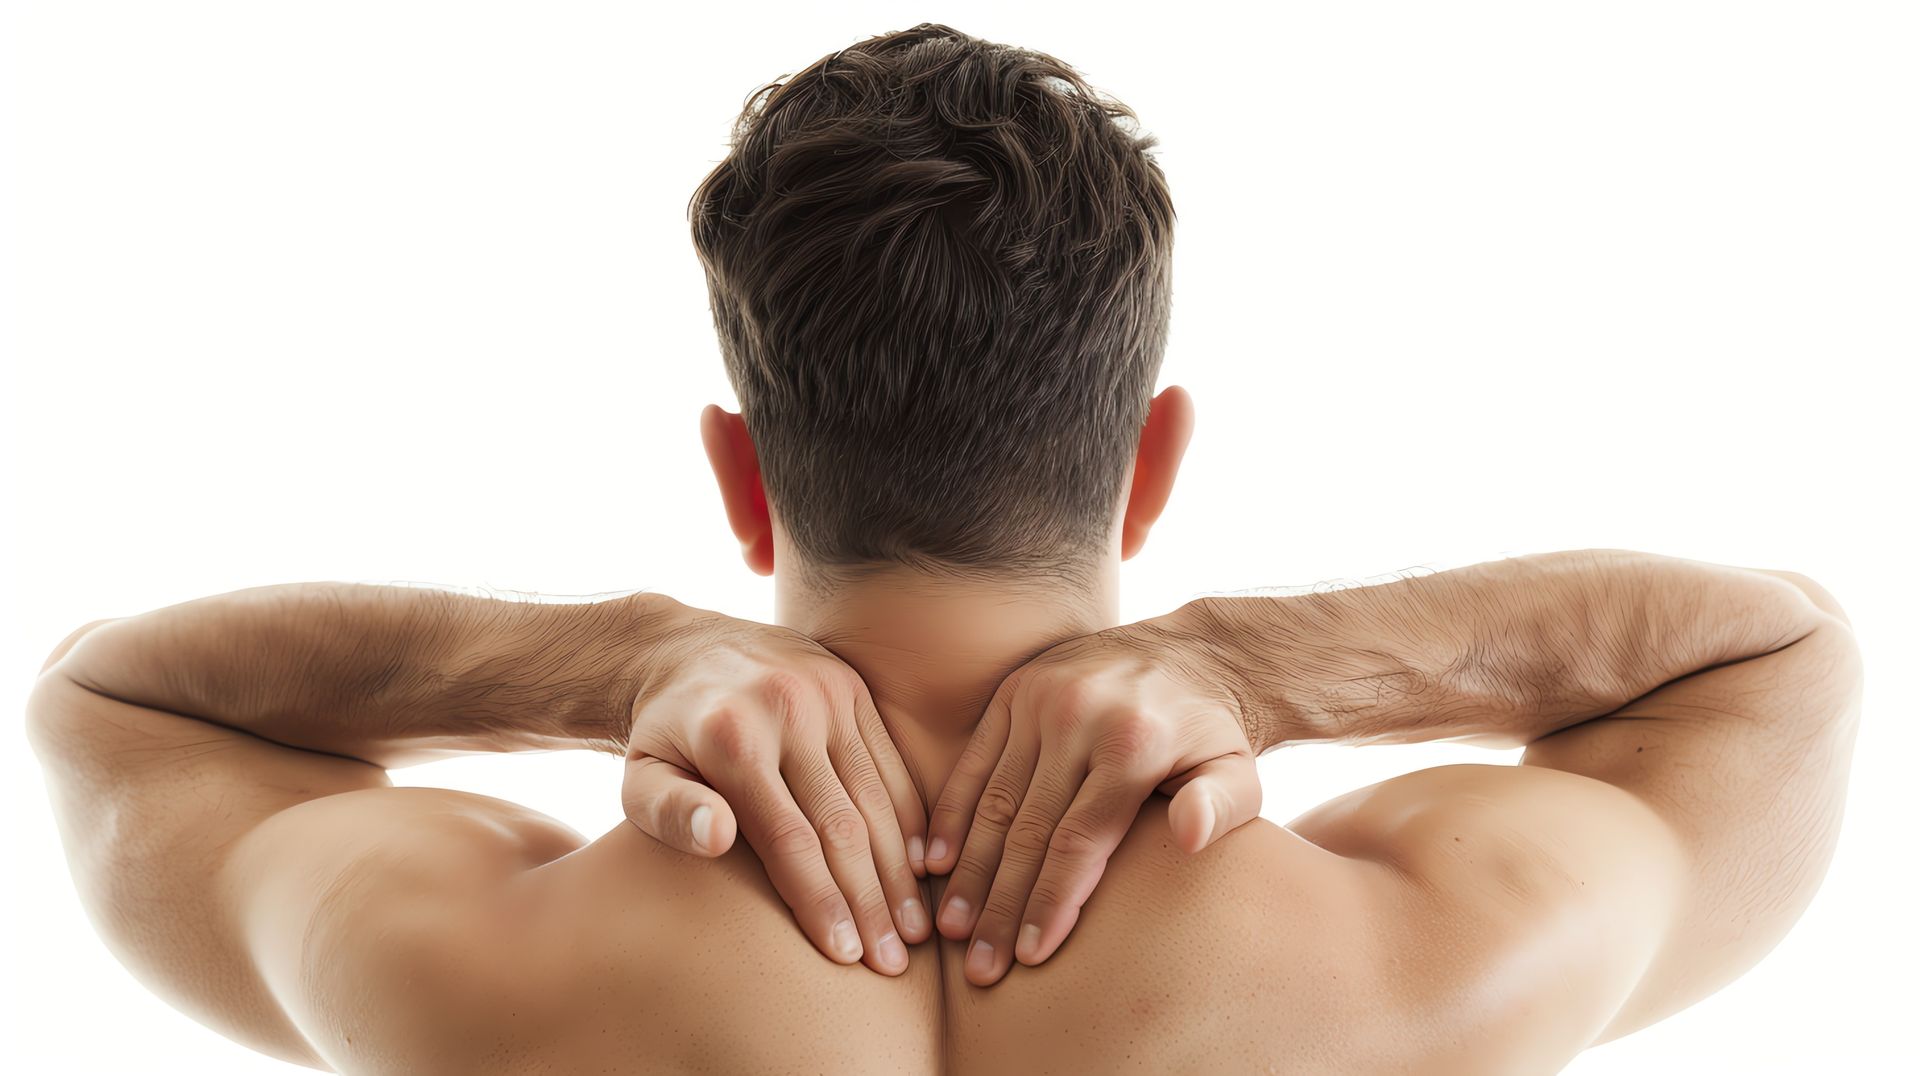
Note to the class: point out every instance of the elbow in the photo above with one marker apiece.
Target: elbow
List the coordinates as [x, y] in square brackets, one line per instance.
[47, 710]
[50, 702]
[1821, 598]
[67, 643]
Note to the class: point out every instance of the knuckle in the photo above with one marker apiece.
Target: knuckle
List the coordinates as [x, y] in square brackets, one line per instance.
[843, 830]
[1029, 835]
[1129, 736]
[792, 837]
[998, 807]
[871, 797]
[785, 694]
[872, 901]
[866, 789]
[732, 734]
[1053, 783]
[827, 900]
[638, 810]
[1014, 684]
[1072, 698]
[978, 756]
[1072, 842]
[838, 678]
[1021, 860]
[1046, 894]
[1004, 906]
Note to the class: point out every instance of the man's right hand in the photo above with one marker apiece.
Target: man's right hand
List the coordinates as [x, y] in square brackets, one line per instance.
[748, 726]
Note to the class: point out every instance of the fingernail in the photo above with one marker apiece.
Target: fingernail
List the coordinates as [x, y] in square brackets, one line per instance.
[980, 959]
[917, 853]
[892, 953]
[954, 915]
[937, 850]
[913, 917]
[703, 827]
[846, 939]
[1029, 947]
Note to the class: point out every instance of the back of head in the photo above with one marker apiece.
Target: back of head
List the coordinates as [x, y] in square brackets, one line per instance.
[940, 270]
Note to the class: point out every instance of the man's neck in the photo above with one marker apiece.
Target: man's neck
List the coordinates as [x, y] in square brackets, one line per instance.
[933, 650]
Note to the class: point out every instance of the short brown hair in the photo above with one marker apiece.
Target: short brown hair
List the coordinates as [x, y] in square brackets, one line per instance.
[941, 274]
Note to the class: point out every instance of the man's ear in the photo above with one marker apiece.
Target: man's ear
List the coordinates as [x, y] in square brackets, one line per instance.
[737, 469]
[1163, 443]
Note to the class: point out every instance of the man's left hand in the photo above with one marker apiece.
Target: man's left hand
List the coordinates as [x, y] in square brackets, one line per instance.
[1071, 745]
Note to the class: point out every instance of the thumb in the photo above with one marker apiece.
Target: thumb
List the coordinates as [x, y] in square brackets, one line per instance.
[1215, 798]
[675, 808]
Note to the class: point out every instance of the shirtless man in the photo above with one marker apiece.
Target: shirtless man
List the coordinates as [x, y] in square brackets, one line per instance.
[945, 527]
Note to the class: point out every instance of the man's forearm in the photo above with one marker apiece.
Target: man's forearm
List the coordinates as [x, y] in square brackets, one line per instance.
[391, 675]
[1501, 653]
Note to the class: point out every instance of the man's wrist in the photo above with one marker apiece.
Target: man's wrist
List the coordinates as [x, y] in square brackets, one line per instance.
[656, 633]
[1216, 643]
[492, 675]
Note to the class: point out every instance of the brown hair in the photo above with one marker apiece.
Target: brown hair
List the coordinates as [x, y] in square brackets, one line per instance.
[941, 274]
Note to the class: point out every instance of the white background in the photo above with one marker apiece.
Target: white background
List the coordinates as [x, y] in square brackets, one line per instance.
[400, 291]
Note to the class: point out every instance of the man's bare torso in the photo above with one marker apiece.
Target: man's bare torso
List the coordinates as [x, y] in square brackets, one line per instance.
[626, 955]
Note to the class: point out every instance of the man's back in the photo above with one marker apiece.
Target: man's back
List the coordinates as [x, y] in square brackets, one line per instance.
[1170, 968]
[1265, 953]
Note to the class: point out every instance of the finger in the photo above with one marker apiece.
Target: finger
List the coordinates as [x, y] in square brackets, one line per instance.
[954, 815]
[676, 808]
[784, 838]
[845, 839]
[908, 811]
[1057, 776]
[1216, 797]
[1101, 815]
[999, 805]
[861, 779]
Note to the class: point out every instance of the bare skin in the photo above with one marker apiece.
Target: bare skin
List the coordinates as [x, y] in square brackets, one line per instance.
[218, 770]
[1689, 729]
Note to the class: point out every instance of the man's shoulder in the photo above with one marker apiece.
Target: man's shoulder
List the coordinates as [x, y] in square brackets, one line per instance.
[1465, 918]
[400, 906]
[1515, 901]
[664, 956]
[1510, 835]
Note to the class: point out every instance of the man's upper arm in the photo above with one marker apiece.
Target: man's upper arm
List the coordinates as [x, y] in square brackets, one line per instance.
[249, 883]
[1631, 866]
[387, 923]
[1527, 904]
